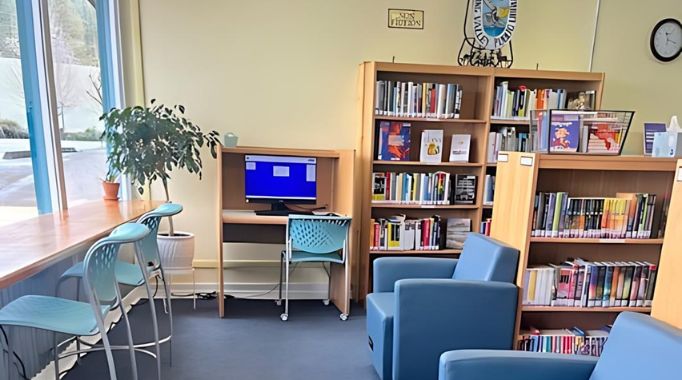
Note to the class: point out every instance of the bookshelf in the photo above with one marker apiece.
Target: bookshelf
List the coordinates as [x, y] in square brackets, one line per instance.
[667, 304]
[478, 87]
[595, 176]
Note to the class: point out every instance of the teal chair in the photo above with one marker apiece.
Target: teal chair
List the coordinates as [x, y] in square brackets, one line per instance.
[148, 267]
[78, 318]
[313, 238]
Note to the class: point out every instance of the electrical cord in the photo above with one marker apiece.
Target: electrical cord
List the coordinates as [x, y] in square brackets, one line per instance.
[291, 271]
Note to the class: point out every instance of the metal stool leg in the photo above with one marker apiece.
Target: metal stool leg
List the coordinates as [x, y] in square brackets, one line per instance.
[155, 325]
[107, 351]
[10, 352]
[285, 315]
[131, 345]
[167, 290]
[56, 355]
[281, 269]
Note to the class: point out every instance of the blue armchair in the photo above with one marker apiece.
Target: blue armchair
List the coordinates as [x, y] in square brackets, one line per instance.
[422, 307]
[639, 347]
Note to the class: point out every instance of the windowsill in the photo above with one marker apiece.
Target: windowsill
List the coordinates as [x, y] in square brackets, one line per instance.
[12, 214]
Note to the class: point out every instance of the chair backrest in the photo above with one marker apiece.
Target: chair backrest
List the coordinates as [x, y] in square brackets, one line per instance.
[149, 246]
[640, 347]
[100, 261]
[486, 259]
[317, 234]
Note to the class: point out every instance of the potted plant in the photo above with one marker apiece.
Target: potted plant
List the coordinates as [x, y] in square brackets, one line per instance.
[146, 144]
[110, 185]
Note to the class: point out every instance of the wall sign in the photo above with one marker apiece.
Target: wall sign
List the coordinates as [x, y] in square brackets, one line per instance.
[405, 19]
[494, 22]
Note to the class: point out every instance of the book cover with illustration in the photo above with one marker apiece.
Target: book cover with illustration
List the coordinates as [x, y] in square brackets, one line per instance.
[431, 146]
[564, 135]
[394, 141]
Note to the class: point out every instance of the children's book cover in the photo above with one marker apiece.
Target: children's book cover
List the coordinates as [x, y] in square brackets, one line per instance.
[564, 135]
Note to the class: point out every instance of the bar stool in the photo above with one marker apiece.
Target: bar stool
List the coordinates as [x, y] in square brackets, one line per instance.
[148, 266]
[78, 318]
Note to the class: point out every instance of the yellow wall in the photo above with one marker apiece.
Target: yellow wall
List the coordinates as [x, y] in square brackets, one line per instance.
[283, 73]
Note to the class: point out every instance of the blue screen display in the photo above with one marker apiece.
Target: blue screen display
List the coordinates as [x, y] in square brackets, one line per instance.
[280, 178]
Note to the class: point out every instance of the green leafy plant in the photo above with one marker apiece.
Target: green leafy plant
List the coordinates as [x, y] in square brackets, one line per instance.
[147, 143]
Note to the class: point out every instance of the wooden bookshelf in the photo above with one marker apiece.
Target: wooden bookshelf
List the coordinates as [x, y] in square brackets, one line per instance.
[478, 85]
[522, 175]
[667, 305]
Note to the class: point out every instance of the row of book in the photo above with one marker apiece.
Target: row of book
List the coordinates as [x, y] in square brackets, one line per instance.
[485, 226]
[580, 283]
[413, 99]
[516, 103]
[424, 188]
[394, 144]
[573, 341]
[507, 139]
[423, 234]
[628, 215]
[489, 190]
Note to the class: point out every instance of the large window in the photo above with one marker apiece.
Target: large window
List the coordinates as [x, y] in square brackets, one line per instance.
[53, 89]
[17, 190]
[78, 86]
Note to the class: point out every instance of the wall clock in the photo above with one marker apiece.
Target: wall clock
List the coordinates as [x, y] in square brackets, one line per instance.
[666, 40]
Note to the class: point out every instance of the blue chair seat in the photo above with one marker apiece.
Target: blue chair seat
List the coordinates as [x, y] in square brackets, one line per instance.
[126, 273]
[380, 313]
[51, 313]
[302, 256]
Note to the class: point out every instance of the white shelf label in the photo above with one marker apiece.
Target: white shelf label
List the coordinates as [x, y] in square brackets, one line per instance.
[679, 174]
[502, 157]
[526, 161]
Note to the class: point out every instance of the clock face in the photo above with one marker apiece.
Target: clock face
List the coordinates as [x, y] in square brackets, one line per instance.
[666, 40]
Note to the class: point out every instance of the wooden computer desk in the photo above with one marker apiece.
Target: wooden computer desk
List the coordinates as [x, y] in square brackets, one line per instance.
[32, 245]
[238, 223]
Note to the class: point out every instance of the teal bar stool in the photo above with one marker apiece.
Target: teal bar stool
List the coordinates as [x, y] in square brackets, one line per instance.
[78, 318]
[322, 239]
[148, 266]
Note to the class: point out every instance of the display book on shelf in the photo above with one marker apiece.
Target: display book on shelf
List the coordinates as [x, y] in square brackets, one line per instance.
[590, 232]
[465, 118]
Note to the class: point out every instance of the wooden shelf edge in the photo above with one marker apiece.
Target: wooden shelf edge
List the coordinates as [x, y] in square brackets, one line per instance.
[435, 164]
[565, 309]
[509, 121]
[429, 119]
[595, 162]
[413, 252]
[282, 151]
[424, 207]
[595, 241]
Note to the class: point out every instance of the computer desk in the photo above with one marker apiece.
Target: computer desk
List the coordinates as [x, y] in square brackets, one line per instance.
[244, 226]
[238, 223]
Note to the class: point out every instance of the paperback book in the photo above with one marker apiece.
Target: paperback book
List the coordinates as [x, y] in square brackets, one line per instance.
[456, 232]
[431, 146]
[394, 141]
[459, 148]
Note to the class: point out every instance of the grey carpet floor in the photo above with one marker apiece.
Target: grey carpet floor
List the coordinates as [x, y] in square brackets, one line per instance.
[250, 343]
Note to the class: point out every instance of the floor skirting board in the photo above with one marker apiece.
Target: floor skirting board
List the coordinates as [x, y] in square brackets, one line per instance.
[301, 290]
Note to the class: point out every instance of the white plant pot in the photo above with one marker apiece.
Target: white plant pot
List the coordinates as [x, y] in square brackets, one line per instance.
[177, 252]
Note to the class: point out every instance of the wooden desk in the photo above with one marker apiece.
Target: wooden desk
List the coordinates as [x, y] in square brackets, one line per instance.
[237, 222]
[32, 245]
[244, 226]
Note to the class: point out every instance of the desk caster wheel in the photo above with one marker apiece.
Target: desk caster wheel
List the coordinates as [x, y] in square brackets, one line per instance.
[284, 316]
[343, 317]
[278, 302]
[325, 302]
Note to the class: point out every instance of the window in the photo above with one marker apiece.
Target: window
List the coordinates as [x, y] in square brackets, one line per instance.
[17, 191]
[52, 56]
[78, 87]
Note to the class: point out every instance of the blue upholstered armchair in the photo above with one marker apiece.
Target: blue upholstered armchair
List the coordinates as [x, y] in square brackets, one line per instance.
[422, 307]
[639, 347]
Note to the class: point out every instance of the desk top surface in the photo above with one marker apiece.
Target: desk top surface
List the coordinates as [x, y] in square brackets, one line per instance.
[30, 246]
[250, 217]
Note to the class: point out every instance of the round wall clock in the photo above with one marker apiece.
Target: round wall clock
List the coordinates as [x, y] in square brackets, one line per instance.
[666, 40]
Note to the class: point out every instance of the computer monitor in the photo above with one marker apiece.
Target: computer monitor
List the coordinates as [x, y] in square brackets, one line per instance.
[279, 180]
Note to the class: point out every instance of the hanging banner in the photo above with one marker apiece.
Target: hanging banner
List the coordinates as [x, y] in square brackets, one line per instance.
[494, 22]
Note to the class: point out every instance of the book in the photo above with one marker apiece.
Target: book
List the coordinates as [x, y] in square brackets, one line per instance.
[571, 341]
[456, 232]
[418, 99]
[464, 189]
[581, 283]
[431, 146]
[489, 190]
[411, 188]
[649, 130]
[565, 136]
[459, 148]
[394, 141]
[378, 187]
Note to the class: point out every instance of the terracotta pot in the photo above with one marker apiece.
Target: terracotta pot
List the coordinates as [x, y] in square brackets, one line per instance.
[110, 190]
